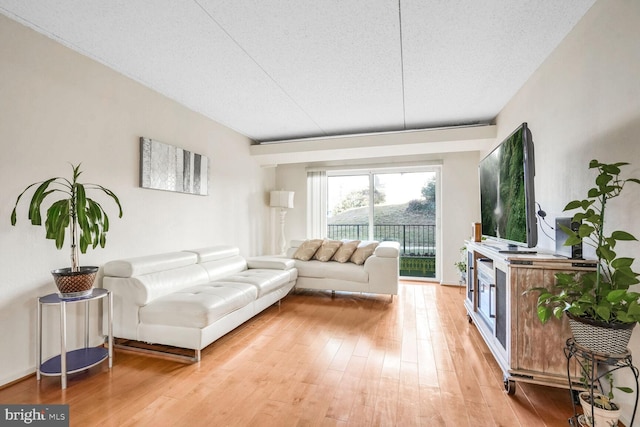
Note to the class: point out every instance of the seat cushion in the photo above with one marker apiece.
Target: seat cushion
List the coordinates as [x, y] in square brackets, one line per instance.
[198, 306]
[332, 270]
[263, 280]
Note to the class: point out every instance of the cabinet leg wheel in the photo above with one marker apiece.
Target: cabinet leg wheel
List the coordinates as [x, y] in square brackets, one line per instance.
[509, 386]
[469, 319]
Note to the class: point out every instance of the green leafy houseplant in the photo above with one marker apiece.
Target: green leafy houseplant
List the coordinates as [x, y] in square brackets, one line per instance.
[602, 401]
[461, 265]
[603, 295]
[85, 218]
[605, 411]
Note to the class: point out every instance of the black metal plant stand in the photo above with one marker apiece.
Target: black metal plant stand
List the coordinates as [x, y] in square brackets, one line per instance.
[589, 361]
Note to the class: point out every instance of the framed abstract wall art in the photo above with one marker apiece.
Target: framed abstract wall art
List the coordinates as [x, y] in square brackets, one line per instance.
[170, 168]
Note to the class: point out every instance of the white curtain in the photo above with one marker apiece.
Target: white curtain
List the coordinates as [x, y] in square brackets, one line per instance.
[316, 204]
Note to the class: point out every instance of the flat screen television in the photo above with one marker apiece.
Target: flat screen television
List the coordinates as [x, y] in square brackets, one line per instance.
[507, 201]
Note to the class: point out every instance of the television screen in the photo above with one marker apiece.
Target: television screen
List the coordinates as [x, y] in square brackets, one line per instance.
[507, 202]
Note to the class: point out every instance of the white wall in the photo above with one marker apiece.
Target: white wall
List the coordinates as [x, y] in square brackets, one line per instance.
[294, 178]
[460, 208]
[459, 199]
[583, 103]
[57, 106]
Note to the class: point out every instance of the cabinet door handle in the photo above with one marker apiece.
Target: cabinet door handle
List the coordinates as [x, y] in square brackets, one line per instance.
[492, 301]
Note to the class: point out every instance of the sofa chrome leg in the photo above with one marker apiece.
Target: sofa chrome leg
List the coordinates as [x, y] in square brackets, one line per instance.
[391, 298]
[333, 294]
[197, 355]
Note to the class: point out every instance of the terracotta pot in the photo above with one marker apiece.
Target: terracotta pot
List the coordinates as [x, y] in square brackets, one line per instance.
[74, 284]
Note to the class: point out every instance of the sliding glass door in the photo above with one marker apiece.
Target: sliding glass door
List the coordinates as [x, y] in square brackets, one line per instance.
[398, 205]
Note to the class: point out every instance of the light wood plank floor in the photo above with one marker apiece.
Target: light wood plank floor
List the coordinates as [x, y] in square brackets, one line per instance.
[352, 360]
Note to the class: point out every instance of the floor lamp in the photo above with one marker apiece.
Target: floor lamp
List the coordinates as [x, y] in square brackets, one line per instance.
[283, 200]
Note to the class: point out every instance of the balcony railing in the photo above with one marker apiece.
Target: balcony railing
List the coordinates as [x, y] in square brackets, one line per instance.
[417, 243]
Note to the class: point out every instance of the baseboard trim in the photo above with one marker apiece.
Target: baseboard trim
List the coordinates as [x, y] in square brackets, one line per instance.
[18, 380]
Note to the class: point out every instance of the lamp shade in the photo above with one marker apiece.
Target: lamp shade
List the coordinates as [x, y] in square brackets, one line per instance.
[281, 199]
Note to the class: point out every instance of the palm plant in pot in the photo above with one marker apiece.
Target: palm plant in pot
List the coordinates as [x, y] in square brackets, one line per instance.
[85, 219]
[602, 311]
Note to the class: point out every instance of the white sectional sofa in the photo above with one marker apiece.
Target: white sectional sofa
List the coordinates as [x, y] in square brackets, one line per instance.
[378, 274]
[191, 298]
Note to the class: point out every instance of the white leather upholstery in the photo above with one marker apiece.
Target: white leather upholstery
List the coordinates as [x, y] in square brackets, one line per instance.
[388, 250]
[147, 287]
[332, 270]
[197, 338]
[214, 253]
[265, 281]
[271, 262]
[379, 274]
[198, 306]
[149, 264]
[221, 268]
[191, 298]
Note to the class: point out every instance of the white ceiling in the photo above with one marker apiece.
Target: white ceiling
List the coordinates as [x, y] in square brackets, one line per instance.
[276, 70]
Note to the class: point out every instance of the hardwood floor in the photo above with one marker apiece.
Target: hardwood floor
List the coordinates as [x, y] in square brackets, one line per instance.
[352, 360]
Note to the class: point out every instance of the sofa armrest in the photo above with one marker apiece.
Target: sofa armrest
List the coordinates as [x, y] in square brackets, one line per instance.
[388, 250]
[383, 268]
[271, 262]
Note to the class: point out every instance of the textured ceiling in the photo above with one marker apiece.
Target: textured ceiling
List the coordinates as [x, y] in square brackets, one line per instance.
[275, 70]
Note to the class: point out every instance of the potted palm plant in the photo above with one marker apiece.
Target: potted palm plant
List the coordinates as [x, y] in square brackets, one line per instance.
[85, 219]
[602, 311]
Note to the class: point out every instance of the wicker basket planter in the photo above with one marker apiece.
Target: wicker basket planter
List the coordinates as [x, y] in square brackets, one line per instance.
[601, 337]
[74, 284]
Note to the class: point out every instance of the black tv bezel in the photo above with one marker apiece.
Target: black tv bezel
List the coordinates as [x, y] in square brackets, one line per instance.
[530, 202]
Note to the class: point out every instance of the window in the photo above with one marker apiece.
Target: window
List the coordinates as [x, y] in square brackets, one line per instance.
[399, 205]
